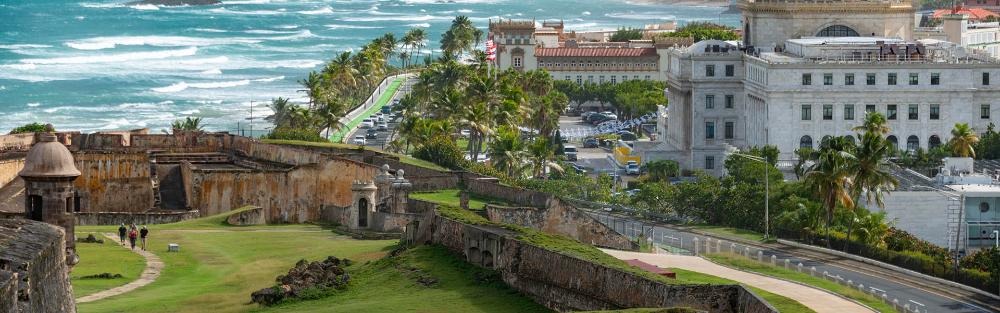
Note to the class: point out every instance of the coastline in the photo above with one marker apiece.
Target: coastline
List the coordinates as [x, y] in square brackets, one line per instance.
[693, 3]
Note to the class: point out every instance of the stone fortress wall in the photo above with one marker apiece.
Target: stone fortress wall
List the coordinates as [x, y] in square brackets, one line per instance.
[34, 276]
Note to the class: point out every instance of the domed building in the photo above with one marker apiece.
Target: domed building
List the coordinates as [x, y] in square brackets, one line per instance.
[48, 174]
[768, 23]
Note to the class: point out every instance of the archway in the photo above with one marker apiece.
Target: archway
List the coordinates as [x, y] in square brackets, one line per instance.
[837, 31]
[806, 142]
[363, 212]
[934, 142]
[912, 143]
[893, 141]
[35, 207]
[487, 259]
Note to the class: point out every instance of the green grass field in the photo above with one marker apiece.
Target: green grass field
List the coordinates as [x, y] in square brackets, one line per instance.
[108, 257]
[780, 272]
[452, 197]
[730, 232]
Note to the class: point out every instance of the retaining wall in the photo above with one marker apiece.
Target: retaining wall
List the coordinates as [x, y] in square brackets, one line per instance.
[34, 277]
[562, 219]
[511, 194]
[9, 167]
[114, 182]
[138, 218]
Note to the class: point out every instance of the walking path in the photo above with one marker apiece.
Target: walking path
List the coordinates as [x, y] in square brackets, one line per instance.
[152, 271]
[818, 300]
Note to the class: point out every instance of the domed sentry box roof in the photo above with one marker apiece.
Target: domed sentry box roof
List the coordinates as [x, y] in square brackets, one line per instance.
[49, 159]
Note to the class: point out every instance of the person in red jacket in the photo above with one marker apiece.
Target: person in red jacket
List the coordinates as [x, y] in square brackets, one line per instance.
[132, 234]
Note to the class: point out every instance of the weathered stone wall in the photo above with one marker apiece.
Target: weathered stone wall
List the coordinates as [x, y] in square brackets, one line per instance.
[511, 194]
[9, 166]
[33, 254]
[562, 219]
[334, 214]
[423, 179]
[254, 216]
[392, 222]
[114, 182]
[138, 218]
[566, 283]
[16, 142]
[419, 206]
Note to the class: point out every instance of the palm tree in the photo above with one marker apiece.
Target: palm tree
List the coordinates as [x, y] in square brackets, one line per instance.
[188, 124]
[830, 178]
[542, 158]
[330, 115]
[313, 85]
[963, 141]
[282, 111]
[874, 123]
[871, 172]
[415, 37]
[476, 117]
[507, 152]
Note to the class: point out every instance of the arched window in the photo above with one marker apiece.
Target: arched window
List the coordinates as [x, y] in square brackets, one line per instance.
[892, 140]
[912, 143]
[837, 31]
[363, 212]
[934, 142]
[806, 142]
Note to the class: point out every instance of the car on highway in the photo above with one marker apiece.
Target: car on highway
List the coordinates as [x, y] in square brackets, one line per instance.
[570, 152]
[359, 140]
[386, 109]
[371, 134]
[380, 119]
[395, 101]
[590, 143]
[366, 123]
[632, 168]
[383, 126]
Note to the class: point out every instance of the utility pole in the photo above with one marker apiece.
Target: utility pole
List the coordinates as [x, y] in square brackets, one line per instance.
[251, 117]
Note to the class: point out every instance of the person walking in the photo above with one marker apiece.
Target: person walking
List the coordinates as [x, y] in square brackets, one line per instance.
[132, 234]
[121, 233]
[142, 235]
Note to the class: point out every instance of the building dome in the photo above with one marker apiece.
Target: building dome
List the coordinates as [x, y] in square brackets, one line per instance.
[49, 159]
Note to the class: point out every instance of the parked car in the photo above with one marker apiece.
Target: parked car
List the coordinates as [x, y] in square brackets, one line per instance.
[395, 101]
[359, 140]
[570, 152]
[371, 134]
[627, 135]
[597, 119]
[586, 115]
[607, 123]
[590, 118]
[577, 168]
[465, 133]
[610, 114]
[590, 143]
[366, 123]
[631, 168]
[383, 126]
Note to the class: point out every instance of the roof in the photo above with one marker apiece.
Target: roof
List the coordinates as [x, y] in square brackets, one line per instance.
[49, 159]
[973, 13]
[844, 40]
[910, 180]
[595, 52]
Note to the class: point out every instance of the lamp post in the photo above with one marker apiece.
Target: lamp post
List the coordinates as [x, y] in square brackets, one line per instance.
[767, 189]
[996, 238]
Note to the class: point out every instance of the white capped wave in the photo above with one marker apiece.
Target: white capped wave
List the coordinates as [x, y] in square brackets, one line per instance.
[585, 13]
[247, 2]
[343, 26]
[23, 46]
[80, 17]
[100, 5]
[287, 26]
[209, 101]
[147, 7]
[641, 16]
[121, 57]
[209, 30]
[33, 104]
[212, 60]
[323, 10]
[116, 123]
[98, 43]
[213, 71]
[141, 106]
[19, 66]
[223, 10]
[422, 25]
[189, 112]
[269, 79]
[414, 18]
[448, 2]
[269, 32]
[292, 64]
[181, 86]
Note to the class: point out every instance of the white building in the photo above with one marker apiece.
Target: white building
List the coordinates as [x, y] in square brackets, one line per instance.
[956, 28]
[724, 97]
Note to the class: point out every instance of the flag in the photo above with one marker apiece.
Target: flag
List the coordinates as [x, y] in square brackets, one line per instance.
[491, 50]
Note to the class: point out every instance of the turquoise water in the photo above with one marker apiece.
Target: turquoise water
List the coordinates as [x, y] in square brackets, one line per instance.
[100, 65]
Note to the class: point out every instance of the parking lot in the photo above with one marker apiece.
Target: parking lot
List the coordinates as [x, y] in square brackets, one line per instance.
[595, 160]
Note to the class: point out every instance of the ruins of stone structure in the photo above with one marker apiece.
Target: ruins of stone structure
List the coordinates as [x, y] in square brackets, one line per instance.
[48, 174]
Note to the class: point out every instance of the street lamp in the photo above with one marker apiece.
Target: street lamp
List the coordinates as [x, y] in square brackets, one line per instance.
[767, 188]
[996, 238]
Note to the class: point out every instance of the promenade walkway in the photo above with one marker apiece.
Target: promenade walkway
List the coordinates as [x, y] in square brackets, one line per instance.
[816, 299]
[379, 98]
[153, 268]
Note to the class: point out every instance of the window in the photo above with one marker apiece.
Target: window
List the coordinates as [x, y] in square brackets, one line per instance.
[729, 101]
[730, 70]
[827, 112]
[730, 128]
[870, 79]
[568, 78]
[710, 70]
[870, 108]
[709, 101]
[517, 61]
[600, 79]
[807, 79]
[636, 77]
[935, 112]
[709, 130]
[984, 111]
[827, 79]
[837, 31]
[892, 79]
[709, 162]
[913, 112]
[933, 142]
[984, 207]
[848, 112]
[986, 79]
[914, 79]
[579, 79]
[935, 79]
[614, 79]
[849, 79]
[890, 112]
[806, 142]
[590, 78]
[892, 141]
[647, 77]
[912, 143]
[806, 112]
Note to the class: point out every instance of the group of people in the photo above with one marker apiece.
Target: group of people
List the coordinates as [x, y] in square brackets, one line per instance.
[132, 232]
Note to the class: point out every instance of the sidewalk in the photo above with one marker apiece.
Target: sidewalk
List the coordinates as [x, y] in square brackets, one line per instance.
[818, 300]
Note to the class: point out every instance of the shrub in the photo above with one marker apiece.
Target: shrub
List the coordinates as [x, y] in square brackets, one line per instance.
[442, 151]
[285, 133]
[32, 128]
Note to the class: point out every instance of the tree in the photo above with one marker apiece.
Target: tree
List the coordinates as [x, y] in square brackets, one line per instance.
[830, 177]
[542, 157]
[871, 173]
[187, 124]
[661, 170]
[442, 151]
[988, 147]
[507, 152]
[963, 141]
[33, 128]
[414, 38]
[874, 123]
[460, 37]
[704, 31]
[625, 34]
[330, 115]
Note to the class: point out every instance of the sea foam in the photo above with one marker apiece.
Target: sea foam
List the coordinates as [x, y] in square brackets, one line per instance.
[121, 57]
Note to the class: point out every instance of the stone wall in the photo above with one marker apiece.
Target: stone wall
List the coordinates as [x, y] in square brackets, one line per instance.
[392, 222]
[9, 166]
[419, 206]
[565, 283]
[562, 219]
[510, 194]
[16, 142]
[32, 257]
[254, 216]
[114, 182]
[138, 218]
[423, 179]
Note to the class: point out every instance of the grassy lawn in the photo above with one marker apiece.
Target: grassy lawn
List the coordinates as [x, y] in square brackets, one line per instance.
[782, 303]
[384, 98]
[108, 257]
[730, 232]
[777, 271]
[451, 197]
[390, 285]
[402, 158]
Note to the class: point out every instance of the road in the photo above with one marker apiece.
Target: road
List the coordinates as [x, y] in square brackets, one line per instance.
[921, 295]
[383, 137]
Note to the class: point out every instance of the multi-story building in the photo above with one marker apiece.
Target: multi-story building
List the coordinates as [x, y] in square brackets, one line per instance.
[795, 91]
[573, 56]
[958, 29]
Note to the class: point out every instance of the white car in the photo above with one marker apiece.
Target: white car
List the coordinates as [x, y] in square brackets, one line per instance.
[383, 126]
[613, 116]
[367, 123]
[632, 168]
[465, 133]
[380, 119]
[359, 140]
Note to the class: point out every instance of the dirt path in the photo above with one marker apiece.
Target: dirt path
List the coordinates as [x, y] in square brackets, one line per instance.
[152, 271]
[818, 300]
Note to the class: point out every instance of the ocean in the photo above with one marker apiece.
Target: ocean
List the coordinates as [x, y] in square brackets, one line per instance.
[101, 65]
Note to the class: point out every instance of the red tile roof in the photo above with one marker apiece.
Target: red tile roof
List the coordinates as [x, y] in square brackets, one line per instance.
[651, 268]
[595, 52]
[973, 13]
